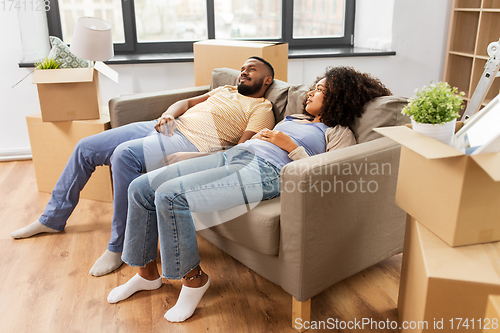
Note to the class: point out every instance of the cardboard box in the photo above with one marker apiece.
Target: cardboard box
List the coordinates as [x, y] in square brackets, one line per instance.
[455, 196]
[493, 313]
[71, 94]
[52, 144]
[211, 54]
[440, 284]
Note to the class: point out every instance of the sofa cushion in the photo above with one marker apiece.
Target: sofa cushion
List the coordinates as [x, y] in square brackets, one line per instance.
[296, 96]
[277, 94]
[258, 229]
[223, 77]
[382, 111]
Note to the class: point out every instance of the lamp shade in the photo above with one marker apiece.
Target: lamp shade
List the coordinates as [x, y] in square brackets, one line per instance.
[92, 39]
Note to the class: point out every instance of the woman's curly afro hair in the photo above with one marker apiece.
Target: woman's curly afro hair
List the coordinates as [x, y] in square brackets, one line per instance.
[347, 93]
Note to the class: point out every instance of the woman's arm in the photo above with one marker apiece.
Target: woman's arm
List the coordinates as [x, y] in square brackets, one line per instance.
[336, 137]
[278, 138]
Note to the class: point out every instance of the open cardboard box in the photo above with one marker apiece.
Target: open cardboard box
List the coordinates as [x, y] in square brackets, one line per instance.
[440, 284]
[211, 54]
[71, 93]
[456, 196]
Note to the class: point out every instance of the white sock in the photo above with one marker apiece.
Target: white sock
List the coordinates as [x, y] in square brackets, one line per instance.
[31, 230]
[108, 262]
[187, 303]
[135, 284]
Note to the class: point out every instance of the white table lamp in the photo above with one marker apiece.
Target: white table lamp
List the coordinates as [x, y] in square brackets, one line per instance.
[92, 39]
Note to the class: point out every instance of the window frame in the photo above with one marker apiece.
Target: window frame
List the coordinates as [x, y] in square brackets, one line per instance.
[131, 46]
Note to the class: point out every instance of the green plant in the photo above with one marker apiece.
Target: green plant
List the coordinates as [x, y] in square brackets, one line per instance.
[48, 63]
[437, 103]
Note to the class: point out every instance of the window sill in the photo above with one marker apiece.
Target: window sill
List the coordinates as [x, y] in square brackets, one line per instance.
[153, 58]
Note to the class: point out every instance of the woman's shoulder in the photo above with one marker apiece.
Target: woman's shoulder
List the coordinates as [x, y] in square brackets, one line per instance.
[340, 135]
[339, 130]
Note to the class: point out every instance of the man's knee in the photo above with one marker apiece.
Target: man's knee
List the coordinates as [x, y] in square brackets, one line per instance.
[85, 144]
[122, 153]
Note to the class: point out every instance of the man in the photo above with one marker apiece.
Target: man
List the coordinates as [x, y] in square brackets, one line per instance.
[224, 116]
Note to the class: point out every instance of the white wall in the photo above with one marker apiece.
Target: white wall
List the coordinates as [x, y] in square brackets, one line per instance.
[419, 30]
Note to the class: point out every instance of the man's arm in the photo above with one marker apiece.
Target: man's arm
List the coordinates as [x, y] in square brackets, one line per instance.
[247, 135]
[178, 108]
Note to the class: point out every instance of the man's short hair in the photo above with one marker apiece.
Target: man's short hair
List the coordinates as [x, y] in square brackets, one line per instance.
[265, 62]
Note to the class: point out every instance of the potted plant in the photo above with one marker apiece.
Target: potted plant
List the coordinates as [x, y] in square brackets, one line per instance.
[434, 111]
[48, 63]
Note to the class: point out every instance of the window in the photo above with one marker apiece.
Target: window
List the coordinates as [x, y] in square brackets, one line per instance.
[169, 26]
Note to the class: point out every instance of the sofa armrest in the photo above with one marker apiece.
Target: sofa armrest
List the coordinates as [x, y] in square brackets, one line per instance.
[338, 215]
[139, 107]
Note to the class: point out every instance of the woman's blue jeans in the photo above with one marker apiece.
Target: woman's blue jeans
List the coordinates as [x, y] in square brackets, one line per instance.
[161, 204]
[124, 148]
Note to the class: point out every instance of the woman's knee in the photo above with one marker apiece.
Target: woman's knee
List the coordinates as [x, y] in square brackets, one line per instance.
[170, 194]
[140, 189]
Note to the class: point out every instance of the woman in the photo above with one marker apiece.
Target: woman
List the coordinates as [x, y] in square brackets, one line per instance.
[161, 202]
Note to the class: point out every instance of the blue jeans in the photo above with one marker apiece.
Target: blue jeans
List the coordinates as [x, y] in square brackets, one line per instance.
[161, 204]
[123, 148]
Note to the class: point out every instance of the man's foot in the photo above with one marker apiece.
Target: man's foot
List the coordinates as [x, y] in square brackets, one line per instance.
[188, 301]
[31, 230]
[135, 284]
[107, 263]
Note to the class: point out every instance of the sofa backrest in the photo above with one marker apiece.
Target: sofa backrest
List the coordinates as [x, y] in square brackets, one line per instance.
[287, 99]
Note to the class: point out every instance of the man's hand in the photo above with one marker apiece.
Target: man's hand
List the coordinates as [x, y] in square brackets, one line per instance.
[181, 156]
[165, 125]
[276, 137]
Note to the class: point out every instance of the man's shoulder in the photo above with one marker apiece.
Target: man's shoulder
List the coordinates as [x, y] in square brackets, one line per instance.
[226, 89]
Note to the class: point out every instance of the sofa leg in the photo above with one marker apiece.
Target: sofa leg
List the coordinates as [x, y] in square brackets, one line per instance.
[301, 312]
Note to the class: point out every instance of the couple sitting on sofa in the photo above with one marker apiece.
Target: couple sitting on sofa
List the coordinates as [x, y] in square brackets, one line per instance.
[160, 202]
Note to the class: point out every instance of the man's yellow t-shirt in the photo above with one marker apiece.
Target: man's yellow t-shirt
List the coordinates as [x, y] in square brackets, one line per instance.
[222, 119]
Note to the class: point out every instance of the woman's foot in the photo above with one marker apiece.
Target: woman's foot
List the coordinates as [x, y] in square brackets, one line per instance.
[135, 284]
[34, 228]
[108, 262]
[191, 293]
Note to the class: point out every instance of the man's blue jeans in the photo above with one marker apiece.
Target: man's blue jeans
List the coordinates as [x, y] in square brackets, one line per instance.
[123, 148]
[161, 204]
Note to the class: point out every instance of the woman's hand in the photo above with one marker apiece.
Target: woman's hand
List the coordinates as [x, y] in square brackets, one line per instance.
[278, 138]
[165, 125]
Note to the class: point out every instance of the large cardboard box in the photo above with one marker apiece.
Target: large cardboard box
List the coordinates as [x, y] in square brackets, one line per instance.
[211, 54]
[71, 93]
[68, 94]
[52, 144]
[493, 313]
[440, 284]
[456, 196]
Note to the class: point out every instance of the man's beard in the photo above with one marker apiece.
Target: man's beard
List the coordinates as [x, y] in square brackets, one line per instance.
[250, 90]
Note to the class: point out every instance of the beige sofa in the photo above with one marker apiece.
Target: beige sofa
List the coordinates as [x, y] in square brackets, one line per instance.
[336, 215]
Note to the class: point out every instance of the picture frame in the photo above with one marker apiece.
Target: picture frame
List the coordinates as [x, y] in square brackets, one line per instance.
[481, 134]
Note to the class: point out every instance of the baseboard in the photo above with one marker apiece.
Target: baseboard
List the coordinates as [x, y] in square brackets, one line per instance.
[15, 154]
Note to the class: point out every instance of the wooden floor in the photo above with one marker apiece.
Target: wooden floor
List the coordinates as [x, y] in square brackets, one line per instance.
[45, 285]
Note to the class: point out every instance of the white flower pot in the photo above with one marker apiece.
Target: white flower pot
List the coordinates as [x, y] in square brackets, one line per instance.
[440, 132]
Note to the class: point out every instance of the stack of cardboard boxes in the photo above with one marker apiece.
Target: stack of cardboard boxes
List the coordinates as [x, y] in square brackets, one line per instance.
[451, 258]
[70, 104]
